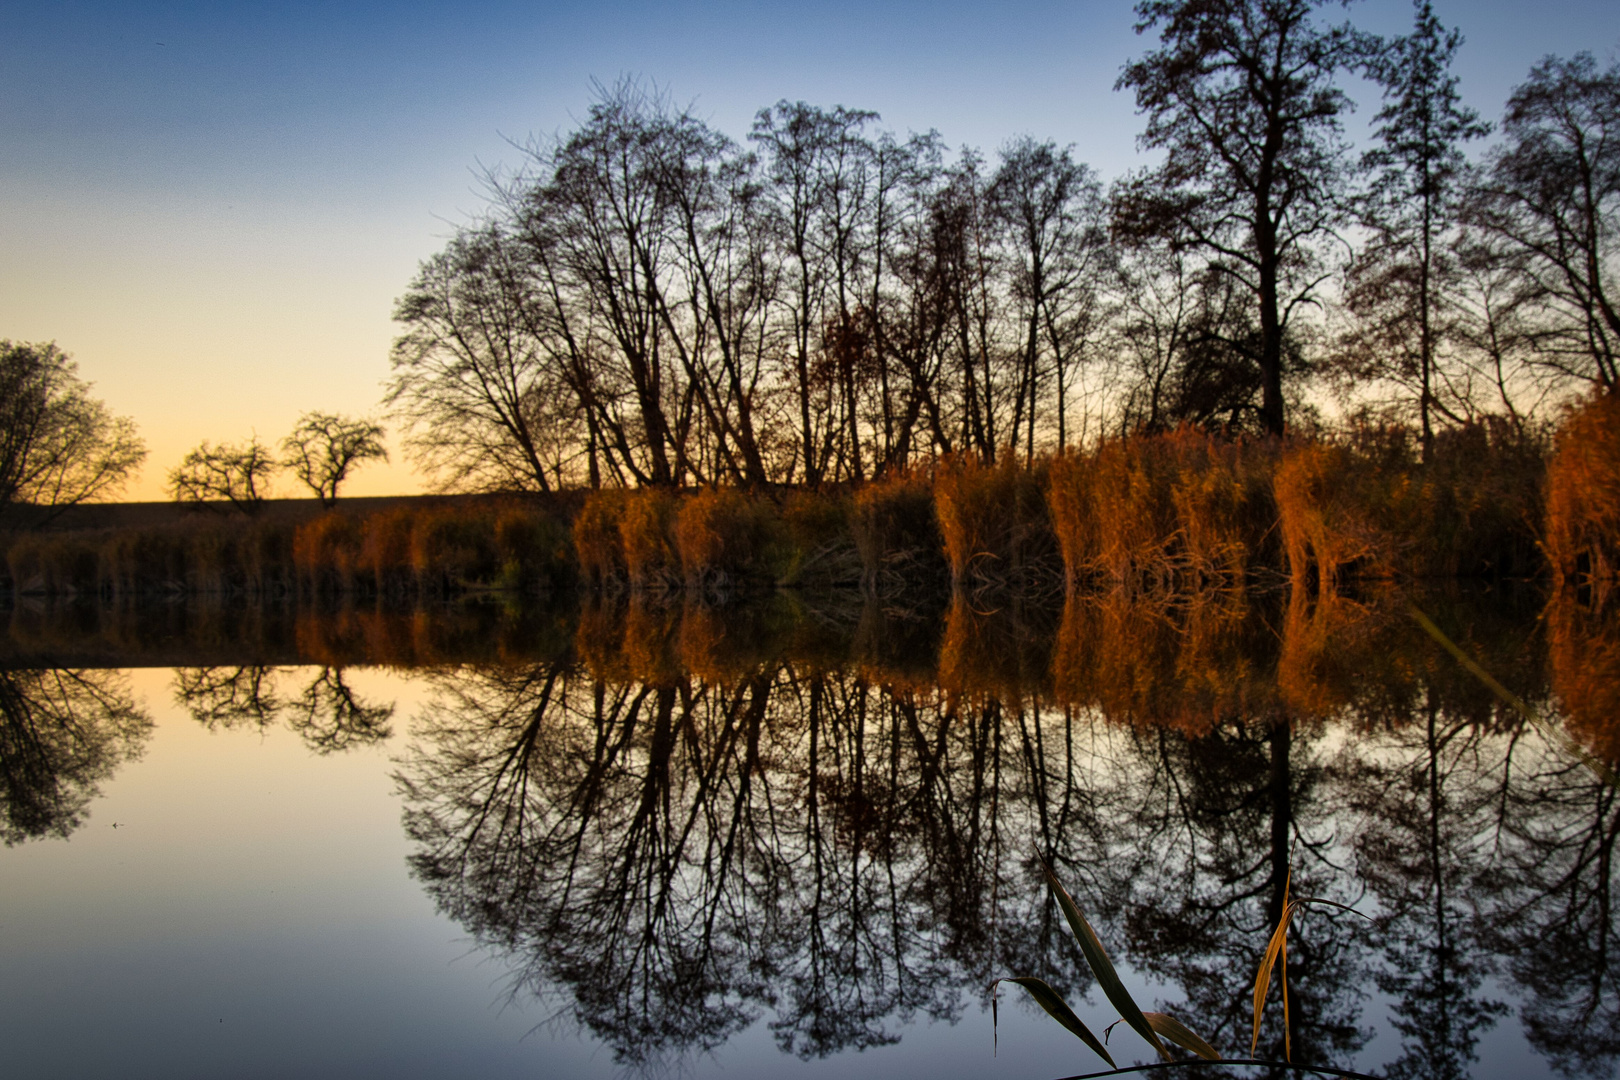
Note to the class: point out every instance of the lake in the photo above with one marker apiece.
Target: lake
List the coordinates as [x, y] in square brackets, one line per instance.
[802, 835]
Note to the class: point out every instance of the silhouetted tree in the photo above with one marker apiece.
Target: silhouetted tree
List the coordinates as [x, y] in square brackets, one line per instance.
[325, 447]
[472, 380]
[1241, 98]
[237, 473]
[58, 445]
[1552, 196]
[1399, 286]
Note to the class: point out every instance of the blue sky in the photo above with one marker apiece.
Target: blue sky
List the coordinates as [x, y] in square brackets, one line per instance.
[213, 206]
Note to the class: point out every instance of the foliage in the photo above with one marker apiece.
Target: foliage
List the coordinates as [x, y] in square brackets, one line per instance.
[58, 445]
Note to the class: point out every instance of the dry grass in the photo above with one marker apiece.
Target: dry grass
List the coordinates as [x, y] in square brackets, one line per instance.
[1583, 493]
[432, 550]
[1158, 513]
[725, 537]
[994, 526]
[1344, 509]
[897, 534]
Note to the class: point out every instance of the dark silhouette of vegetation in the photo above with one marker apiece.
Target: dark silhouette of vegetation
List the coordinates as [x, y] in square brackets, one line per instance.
[58, 445]
[324, 448]
[61, 734]
[235, 473]
[1401, 287]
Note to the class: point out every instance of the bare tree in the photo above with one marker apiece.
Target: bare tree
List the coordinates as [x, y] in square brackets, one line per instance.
[1053, 211]
[58, 445]
[1242, 99]
[471, 382]
[237, 473]
[1400, 285]
[1553, 198]
[324, 447]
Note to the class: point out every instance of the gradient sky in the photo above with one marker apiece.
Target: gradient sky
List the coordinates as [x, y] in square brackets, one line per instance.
[213, 206]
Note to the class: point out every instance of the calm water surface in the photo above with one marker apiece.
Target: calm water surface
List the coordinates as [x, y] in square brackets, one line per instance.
[796, 838]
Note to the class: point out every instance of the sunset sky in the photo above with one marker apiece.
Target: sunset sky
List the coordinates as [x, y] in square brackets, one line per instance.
[213, 206]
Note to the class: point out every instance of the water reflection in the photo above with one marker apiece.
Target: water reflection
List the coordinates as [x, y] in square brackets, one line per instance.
[681, 825]
[677, 821]
[328, 715]
[62, 733]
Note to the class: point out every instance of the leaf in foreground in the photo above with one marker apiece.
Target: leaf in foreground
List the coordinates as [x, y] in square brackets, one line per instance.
[1101, 966]
[1057, 1009]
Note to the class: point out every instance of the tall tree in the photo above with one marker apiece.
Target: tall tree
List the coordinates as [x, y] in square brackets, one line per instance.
[1413, 207]
[468, 372]
[1241, 98]
[1553, 196]
[1052, 209]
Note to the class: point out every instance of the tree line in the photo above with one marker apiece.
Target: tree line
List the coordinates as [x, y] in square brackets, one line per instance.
[648, 301]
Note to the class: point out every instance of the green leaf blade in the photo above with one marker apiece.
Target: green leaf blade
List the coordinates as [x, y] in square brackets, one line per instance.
[1101, 966]
[1059, 1010]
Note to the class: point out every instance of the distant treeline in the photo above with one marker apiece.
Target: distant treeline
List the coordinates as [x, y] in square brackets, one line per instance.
[1178, 512]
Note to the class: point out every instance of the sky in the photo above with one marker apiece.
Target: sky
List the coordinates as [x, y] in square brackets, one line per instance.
[213, 207]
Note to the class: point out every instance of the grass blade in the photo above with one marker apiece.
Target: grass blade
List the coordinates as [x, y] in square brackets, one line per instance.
[1101, 966]
[1182, 1035]
[1059, 1010]
[1262, 978]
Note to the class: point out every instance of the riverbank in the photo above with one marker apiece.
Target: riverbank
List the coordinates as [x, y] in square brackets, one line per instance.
[1174, 513]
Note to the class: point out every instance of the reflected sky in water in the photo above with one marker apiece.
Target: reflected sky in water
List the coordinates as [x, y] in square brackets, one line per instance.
[639, 838]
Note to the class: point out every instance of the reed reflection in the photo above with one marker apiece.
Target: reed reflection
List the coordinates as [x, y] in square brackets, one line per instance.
[62, 733]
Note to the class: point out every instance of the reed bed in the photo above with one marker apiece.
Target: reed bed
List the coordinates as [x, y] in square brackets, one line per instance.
[1583, 494]
[897, 535]
[1182, 511]
[1176, 514]
[995, 528]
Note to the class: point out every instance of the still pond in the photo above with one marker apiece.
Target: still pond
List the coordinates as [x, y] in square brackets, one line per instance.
[800, 837]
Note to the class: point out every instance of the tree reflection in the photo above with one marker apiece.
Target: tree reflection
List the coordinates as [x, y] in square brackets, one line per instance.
[845, 847]
[61, 734]
[327, 714]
